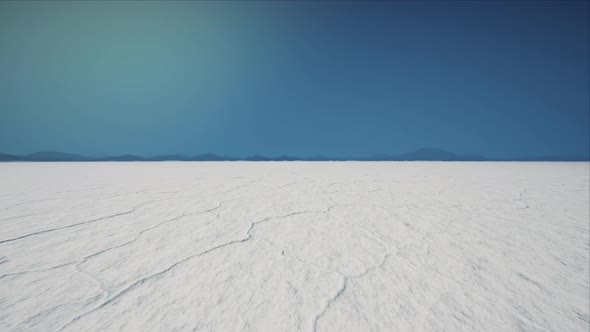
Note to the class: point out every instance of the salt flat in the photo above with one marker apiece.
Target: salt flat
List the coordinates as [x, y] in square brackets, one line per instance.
[285, 246]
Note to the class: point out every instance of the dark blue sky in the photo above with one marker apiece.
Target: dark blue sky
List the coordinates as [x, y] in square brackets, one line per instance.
[356, 78]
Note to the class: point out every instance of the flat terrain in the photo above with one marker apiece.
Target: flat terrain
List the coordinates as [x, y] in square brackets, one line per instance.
[285, 246]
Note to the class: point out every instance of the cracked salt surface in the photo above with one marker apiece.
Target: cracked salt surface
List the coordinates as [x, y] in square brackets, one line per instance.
[285, 246]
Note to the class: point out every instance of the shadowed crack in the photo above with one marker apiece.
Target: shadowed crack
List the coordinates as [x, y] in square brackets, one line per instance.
[345, 278]
[161, 273]
[103, 289]
[68, 226]
[583, 317]
[39, 270]
[111, 216]
[84, 222]
[34, 201]
[536, 283]
[154, 276]
[342, 289]
[374, 236]
[154, 227]
[238, 187]
[86, 258]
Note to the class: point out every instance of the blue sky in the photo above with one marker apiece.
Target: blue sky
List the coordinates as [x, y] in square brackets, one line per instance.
[501, 79]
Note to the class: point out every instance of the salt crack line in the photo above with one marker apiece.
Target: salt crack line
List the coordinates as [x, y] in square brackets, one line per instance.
[39, 270]
[345, 278]
[157, 275]
[104, 291]
[33, 202]
[161, 273]
[343, 288]
[84, 222]
[68, 226]
[86, 258]
[157, 226]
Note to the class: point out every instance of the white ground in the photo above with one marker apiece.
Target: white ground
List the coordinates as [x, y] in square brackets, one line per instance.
[344, 246]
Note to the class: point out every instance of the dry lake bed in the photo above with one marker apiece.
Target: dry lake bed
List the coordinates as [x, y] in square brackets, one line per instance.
[289, 246]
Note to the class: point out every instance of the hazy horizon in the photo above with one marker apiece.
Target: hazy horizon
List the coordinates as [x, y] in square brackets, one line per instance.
[420, 154]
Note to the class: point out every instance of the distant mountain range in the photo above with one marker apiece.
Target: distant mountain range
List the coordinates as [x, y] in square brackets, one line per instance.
[424, 154]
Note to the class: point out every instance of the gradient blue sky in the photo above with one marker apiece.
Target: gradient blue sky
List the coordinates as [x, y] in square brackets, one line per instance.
[354, 78]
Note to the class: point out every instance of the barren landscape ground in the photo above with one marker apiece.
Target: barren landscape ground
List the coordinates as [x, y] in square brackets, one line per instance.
[286, 246]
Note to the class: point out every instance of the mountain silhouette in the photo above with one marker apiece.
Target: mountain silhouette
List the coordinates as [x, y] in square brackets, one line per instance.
[257, 158]
[433, 154]
[124, 157]
[9, 157]
[422, 154]
[54, 156]
[211, 157]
